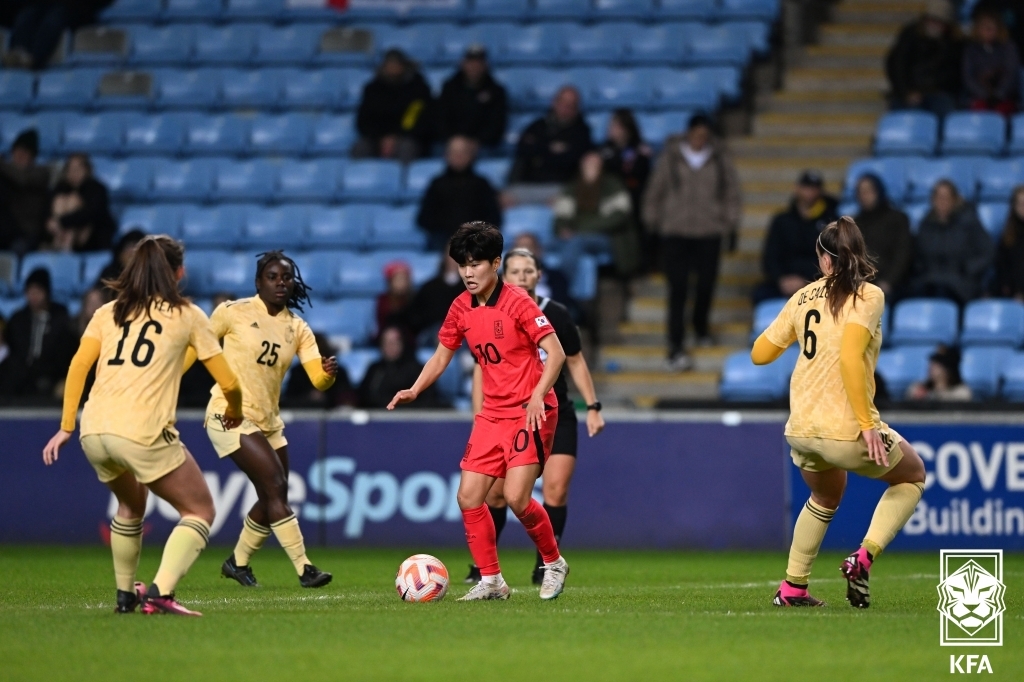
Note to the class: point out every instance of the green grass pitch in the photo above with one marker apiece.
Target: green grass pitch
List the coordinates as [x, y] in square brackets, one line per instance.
[624, 616]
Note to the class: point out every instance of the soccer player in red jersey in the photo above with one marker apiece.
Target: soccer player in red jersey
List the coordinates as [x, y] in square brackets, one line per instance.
[513, 434]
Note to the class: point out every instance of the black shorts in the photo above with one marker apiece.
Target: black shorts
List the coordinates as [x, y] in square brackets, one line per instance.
[566, 433]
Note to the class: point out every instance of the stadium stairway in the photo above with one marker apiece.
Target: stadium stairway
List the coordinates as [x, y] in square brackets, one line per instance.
[823, 117]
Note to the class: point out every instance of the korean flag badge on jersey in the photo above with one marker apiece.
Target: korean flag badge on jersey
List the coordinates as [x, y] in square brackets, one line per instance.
[541, 321]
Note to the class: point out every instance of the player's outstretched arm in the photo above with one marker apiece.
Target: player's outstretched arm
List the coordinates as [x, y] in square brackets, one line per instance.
[552, 368]
[74, 386]
[431, 372]
[585, 384]
[221, 372]
[764, 351]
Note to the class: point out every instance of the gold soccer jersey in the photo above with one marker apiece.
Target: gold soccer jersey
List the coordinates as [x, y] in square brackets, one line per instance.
[138, 372]
[819, 407]
[259, 348]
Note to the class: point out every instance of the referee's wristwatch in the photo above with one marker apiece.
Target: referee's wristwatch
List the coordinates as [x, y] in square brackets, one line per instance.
[596, 407]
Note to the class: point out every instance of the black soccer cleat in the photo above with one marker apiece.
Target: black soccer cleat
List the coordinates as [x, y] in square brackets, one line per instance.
[314, 577]
[474, 575]
[538, 575]
[127, 602]
[856, 574]
[243, 574]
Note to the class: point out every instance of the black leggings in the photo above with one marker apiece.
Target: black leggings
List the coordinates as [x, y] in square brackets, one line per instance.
[683, 256]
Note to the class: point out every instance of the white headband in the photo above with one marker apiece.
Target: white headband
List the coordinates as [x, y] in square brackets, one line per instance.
[824, 249]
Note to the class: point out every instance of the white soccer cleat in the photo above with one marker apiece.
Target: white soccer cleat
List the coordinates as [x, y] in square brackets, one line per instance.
[554, 578]
[483, 591]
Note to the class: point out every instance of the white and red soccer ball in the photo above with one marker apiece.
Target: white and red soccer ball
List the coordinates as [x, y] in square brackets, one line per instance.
[421, 578]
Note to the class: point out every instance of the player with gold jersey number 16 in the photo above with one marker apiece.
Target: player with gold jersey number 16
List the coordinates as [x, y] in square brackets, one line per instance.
[834, 426]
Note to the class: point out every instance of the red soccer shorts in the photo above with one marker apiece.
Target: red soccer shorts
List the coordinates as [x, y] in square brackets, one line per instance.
[497, 445]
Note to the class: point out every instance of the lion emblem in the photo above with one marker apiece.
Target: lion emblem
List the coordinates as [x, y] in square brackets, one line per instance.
[971, 597]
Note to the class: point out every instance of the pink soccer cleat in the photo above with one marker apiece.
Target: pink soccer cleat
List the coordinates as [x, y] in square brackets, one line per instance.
[855, 569]
[788, 595]
[153, 603]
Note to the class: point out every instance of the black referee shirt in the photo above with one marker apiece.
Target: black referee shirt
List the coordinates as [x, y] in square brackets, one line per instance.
[569, 336]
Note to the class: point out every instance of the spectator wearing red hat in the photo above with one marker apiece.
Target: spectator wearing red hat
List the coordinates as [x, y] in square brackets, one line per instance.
[393, 304]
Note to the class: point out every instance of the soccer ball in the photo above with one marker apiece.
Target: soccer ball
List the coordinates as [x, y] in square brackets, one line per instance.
[422, 577]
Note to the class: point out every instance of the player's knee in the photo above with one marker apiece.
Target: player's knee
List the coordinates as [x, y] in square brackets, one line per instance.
[915, 470]
[556, 493]
[518, 502]
[827, 500]
[467, 501]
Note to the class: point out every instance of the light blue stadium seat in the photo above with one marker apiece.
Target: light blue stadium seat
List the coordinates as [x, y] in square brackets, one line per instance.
[317, 88]
[998, 177]
[685, 9]
[925, 321]
[692, 89]
[533, 44]
[333, 134]
[907, 132]
[892, 171]
[293, 44]
[318, 270]
[975, 132]
[537, 220]
[16, 88]
[180, 89]
[126, 179]
[125, 10]
[454, 10]
[49, 125]
[259, 88]
[346, 322]
[1016, 144]
[369, 180]
[764, 314]
[622, 9]
[656, 44]
[598, 44]
[901, 367]
[262, 10]
[216, 134]
[993, 322]
[208, 10]
[517, 123]
[756, 33]
[424, 266]
[253, 180]
[154, 133]
[11, 305]
[65, 271]
[450, 383]
[436, 78]
[234, 273]
[198, 266]
[153, 219]
[280, 227]
[561, 9]
[655, 128]
[95, 134]
[212, 227]
[283, 133]
[92, 265]
[308, 180]
[743, 381]
[228, 44]
[357, 361]
[710, 44]
[74, 88]
[342, 227]
[613, 88]
[501, 9]
[922, 174]
[766, 10]
[583, 286]
[453, 41]
[726, 80]
[169, 45]
[419, 41]
[1013, 377]
[359, 275]
[533, 88]
[981, 368]
[353, 81]
[419, 175]
[495, 170]
[916, 213]
[189, 180]
[395, 228]
[993, 218]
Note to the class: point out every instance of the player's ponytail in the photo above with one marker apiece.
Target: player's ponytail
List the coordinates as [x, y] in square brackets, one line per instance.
[150, 275]
[843, 242]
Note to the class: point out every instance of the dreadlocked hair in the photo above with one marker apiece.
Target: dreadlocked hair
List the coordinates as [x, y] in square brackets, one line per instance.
[300, 293]
[851, 264]
[150, 277]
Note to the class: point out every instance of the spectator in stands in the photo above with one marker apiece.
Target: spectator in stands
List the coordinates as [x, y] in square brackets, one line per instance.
[790, 259]
[553, 283]
[472, 103]
[952, 251]
[120, 255]
[923, 65]
[594, 214]
[393, 117]
[627, 157]
[991, 66]
[301, 393]
[886, 231]
[944, 382]
[42, 341]
[1010, 255]
[432, 301]
[92, 300]
[393, 304]
[80, 218]
[24, 189]
[39, 26]
[457, 195]
[550, 148]
[397, 368]
[692, 202]
[1012, 12]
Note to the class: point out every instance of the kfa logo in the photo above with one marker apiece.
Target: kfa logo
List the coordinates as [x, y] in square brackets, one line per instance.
[971, 595]
[499, 330]
[972, 663]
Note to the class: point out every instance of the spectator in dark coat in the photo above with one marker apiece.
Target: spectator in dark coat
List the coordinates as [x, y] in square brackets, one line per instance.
[1010, 254]
[39, 26]
[301, 393]
[626, 156]
[790, 258]
[432, 301]
[457, 196]
[991, 66]
[953, 251]
[923, 65]
[396, 370]
[24, 191]
[550, 148]
[393, 117]
[886, 231]
[120, 255]
[472, 103]
[42, 340]
[80, 218]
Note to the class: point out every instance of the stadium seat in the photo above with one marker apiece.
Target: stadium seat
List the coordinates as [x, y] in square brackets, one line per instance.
[598, 44]
[124, 10]
[74, 88]
[421, 42]
[993, 217]
[685, 9]
[655, 128]
[370, 180]
[454, 40]
[583, 286]
[742, 380]
[179, 89]
[916, 213]
[216, 227]
[189, 180]
[316, 88]
[49, 125]
[347, 226]
[998, 177]
[925, 321]
[756, 33]
[450, 383]
[561, 9]
[622, 9]
[612, 88]
[660, 43]
[233, 273]
[244, 180]
[359, 275]
[92, 265]
[496, 170]
[127, 179]
[1016, 144]
[725, 80]
[96, 134]
[153, 219]
[901, 367]
[395, 228]
[65, 271]
[908, 132]
[419, 175]
[281, 227]
[993, 322]
[283, 133]
[198, 266]
[207, 10]
[319, 270]
[501, 9]
[517, 123]
[169, 45]
[1013, 377]
[673, 89]
[263, 10]
[922, 174]
[533, 44]
[349, 322]
[333, 134]
[766, 10]
[353, 81]
[424, 266]
[294, 44]
[259, 88]
[357, 361]
[308, 180]
[707, 44]
[891, 171]
[219, 134]
[981, 368]
[345, 45]
[453, 10]
[16, 88]
[228, 44]
[976, 132]
[764, 314]
[535, 87]
[536, 220]
[154, 134]
[98, 45]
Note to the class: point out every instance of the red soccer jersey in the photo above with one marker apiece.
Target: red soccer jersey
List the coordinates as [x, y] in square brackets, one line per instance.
[503, 335]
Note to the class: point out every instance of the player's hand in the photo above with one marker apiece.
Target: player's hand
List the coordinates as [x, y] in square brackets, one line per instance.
[876, 448]
[230, 421]
[595, 423]
[330, 366]
[535, 415]
[402, 397]
[52, 449]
